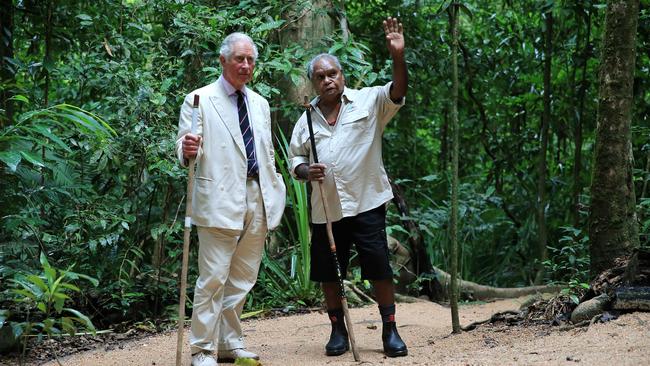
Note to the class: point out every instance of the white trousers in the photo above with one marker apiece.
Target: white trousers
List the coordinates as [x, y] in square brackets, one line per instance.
[229, 261]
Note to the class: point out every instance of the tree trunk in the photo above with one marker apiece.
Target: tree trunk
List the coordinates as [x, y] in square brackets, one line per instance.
[474, 291]
[307, 23]
[453, 292]
[613, 229]
[444, 140]
[577, 164]
[47, 62]
[7, 76]
[541, 164]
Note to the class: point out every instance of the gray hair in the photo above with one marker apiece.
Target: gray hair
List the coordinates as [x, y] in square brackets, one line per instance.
[310, 65]
[231, 39]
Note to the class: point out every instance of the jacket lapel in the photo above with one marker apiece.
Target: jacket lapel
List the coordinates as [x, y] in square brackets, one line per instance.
[225, 109]
[257, 121]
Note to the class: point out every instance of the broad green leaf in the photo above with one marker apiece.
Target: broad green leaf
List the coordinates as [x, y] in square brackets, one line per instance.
[82, 319]
[68, 326]
[38, 282]
[295, 78]
[32, 158]
[20, 98]
[43, 260]
[75, 275]
[27, 294]
[47, 133]
[335, 47]
[268, 26]
[11, 158]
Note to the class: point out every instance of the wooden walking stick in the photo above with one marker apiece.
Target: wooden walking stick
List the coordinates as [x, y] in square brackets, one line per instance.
[330, 236]
[186, 240]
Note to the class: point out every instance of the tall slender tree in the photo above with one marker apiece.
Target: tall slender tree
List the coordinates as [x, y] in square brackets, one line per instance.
[577, 135]
[7, 77]
[542, 234]
[613, 228]
[453, 290]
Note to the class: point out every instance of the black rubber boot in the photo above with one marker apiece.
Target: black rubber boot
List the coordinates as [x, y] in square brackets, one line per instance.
[338, 343]
[393, 344]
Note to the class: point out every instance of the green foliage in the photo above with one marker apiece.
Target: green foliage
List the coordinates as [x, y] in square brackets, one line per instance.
[284, 278]
[42, 299]
[41, 132]
[569, 262]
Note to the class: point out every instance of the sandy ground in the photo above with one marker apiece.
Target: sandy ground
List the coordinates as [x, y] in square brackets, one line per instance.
[426, 328]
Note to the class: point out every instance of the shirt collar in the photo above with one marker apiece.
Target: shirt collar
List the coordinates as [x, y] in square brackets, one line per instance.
[230, 90]
[346, 97]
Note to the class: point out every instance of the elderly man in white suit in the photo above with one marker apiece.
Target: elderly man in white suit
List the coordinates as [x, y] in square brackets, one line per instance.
[238, 196]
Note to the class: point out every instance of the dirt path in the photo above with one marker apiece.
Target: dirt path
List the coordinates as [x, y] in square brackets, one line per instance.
[425, 327]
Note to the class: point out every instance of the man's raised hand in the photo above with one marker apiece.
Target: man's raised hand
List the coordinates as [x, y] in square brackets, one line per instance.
[394, 36]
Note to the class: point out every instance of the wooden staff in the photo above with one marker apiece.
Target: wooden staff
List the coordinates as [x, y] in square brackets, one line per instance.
[186, 239]
[330, 236]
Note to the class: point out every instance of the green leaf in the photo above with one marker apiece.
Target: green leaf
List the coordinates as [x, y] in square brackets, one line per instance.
[50, 275]
[34, 159]
[82, 319]
[11, 158]
[4, 314]
[27, 294]
[84, 17]
[43, 260]
[295, 78]
[47, 133]
[268, 26]
[251, 314]
[38, 282]
[87, 118]
[68, 326]
[335, 47]
[75, 275]
[70, 287]
[20, 98]
[17, 330]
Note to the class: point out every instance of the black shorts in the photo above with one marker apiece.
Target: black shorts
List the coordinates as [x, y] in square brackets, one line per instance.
[367, 231]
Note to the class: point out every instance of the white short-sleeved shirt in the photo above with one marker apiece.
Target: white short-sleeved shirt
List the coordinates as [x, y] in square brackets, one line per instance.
[355, 178]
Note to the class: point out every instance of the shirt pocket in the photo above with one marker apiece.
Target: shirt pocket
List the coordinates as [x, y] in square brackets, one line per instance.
[357, 128]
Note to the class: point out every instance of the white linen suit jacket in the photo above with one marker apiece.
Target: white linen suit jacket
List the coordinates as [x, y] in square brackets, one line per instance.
[219, 196]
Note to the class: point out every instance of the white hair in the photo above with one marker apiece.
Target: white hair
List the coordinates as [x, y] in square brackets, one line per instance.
[226, 46]
[310, 65]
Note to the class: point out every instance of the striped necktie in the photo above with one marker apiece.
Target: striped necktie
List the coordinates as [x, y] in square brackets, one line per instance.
[247, 134]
